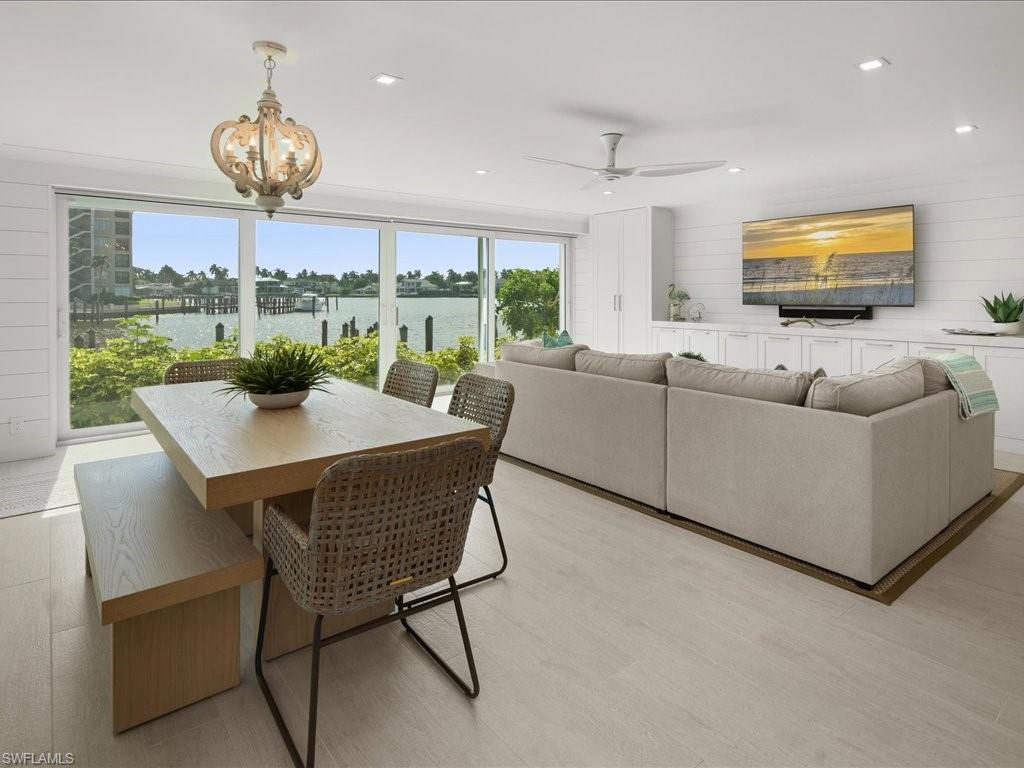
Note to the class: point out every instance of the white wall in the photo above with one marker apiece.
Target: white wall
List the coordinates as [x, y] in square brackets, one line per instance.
[969, 241]
[28, 259]
[581, 325]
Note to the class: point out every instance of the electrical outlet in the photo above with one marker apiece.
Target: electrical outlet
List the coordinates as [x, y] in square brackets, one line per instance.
[17, 425]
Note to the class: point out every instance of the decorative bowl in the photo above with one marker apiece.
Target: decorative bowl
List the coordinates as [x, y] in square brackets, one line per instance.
[1005, 329]
[282, 400]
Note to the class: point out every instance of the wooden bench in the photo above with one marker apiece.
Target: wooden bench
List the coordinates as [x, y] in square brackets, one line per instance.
[166, 574]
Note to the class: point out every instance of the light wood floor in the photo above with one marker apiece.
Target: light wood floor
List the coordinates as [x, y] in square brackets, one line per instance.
[613, 639]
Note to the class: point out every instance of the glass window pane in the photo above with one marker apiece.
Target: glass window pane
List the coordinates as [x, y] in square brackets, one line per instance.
[527, 289]
[318, 284]
[166, 290]
[439, 301]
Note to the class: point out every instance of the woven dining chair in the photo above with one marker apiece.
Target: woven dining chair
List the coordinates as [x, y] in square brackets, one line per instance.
[188, 371]
[382, 526]
[412, 381]
[489, 402]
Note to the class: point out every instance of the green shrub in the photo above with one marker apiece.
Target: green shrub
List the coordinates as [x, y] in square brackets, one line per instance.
[102, 379]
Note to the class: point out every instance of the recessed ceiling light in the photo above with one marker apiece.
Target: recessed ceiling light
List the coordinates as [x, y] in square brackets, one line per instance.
[607, 192]
[385, 79]
[481, 172]
[966, 128]
[870, 64]
[736, 169]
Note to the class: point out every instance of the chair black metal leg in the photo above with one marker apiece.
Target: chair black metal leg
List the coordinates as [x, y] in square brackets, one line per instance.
[470, 690]
[314, 690]
[268, 694]
[485, 496]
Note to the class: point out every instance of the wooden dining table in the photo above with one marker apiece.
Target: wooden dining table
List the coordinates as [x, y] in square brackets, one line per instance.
[237, 457]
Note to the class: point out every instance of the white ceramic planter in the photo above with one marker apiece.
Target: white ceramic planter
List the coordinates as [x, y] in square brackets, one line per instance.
[285, 400]
[1005, 329]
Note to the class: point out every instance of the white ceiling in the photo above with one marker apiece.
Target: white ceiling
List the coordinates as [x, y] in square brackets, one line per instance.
[770, 86]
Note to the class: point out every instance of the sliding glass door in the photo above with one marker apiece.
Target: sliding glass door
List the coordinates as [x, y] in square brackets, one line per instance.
[319, 283]
[528, 289]
[145, 284]
[439, 299]
[143, 290]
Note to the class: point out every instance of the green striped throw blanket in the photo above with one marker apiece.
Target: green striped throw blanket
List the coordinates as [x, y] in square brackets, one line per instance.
[971, 383]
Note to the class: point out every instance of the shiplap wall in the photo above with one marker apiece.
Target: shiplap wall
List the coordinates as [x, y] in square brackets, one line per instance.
[28, 261]
[582, 297]
[969, 240]
[24, 317]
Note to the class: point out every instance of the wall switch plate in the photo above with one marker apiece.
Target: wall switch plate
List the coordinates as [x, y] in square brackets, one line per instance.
[17, 425]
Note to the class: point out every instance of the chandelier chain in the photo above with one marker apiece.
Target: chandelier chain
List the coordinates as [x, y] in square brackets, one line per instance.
[269, 65]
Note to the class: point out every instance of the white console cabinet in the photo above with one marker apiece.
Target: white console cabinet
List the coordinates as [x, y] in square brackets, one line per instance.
[737, 348]
[1006, 369]
[704, 342]
[668, 340]
[868, 355]
[832, 354]
[775, 349]
[854, 349]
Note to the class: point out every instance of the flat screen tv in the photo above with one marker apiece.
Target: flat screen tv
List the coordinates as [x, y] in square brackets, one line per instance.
[850, 259]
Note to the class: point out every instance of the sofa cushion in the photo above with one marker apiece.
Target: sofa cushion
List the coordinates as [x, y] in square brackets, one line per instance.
[649, 368]
[532, 354]
[935, 378]
[789, 387]
[865, 394]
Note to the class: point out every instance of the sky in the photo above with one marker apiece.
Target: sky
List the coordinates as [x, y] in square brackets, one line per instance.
[196, 242]
[876, 231]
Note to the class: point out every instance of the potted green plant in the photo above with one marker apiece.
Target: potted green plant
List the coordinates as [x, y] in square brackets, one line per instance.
[1005, 312]
[279, 378]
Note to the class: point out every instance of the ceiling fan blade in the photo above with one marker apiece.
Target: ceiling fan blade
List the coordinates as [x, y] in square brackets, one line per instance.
[560, 162]
[593, 183]
[677, 169]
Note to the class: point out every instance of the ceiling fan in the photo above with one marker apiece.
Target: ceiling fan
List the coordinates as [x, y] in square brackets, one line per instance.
[611, 173]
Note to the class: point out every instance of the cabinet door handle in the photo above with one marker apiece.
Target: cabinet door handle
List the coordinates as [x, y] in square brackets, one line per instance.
[620, 302]
[778, 338]
[738, 335]
[615, 302]
[939, 349]
[824, 341]
[877, 344]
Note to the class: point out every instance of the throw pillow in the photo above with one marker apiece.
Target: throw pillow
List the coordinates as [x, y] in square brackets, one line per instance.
[552, 342]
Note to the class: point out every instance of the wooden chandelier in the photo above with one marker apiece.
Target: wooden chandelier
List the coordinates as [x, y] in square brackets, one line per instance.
[268, 156]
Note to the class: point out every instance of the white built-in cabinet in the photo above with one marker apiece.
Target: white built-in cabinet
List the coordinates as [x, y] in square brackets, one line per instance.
[831, 354]
[632, 253]
[1005, 366]
[921, 349]
[775, 349]
[868, 355]
[841, 352]
[703, 342]
[737, 348]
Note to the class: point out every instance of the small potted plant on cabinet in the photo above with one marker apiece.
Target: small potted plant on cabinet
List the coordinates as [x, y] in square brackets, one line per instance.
[1005, 312]
[279, 378]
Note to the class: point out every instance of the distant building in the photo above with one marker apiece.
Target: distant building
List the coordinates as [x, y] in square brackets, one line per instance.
[157, 290]
[465, 288]
[414, 286]
[367, 290]
[208, 287]
[270, 286]
[100, 253]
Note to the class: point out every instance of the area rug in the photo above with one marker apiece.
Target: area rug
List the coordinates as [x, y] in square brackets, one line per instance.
[886, 590]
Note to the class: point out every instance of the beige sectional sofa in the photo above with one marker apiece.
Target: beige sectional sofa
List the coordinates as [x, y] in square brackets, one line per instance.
[851, 493]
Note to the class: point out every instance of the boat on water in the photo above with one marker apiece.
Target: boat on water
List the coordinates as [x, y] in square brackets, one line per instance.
[310, 302]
